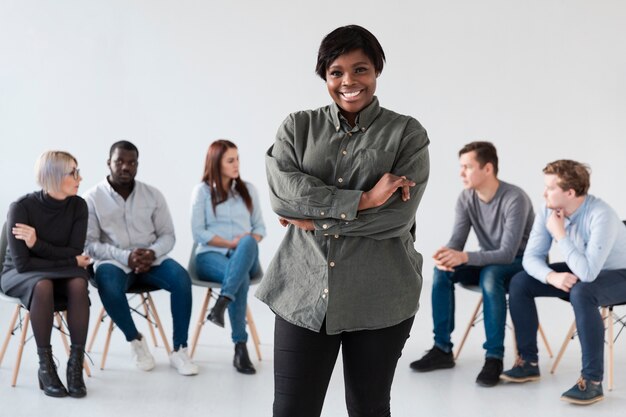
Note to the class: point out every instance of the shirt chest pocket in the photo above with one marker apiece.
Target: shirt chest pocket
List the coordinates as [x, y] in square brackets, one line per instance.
[371, 165]
[141, 218]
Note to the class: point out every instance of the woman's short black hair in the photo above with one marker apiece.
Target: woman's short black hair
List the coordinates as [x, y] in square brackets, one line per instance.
[347, 39]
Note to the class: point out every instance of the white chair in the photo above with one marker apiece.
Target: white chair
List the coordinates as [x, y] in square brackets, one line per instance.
[210, 286]
[477, 317]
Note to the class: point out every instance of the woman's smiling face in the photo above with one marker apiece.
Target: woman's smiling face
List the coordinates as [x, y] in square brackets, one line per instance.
[351, 82]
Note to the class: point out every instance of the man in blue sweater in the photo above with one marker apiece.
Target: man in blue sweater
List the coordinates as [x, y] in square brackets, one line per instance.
[592, 240]
[501, 215]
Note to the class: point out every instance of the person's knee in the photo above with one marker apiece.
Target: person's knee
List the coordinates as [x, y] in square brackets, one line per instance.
[519, 284]
[78, 285]
[441, 277]
[580, 294]
[492, 281]
[179, 282]
[249, 244]
[43, 286]
[109, 284]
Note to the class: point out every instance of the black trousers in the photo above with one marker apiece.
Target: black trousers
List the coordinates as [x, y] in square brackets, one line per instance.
[304, 362]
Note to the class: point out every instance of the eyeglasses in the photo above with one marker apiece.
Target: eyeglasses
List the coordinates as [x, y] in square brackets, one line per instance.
[75, 173]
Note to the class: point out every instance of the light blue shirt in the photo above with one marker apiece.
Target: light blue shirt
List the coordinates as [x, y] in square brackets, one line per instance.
[595, 240]
[230, 219]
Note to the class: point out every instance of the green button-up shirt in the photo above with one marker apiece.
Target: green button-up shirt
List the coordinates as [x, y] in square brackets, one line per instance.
[358, 269]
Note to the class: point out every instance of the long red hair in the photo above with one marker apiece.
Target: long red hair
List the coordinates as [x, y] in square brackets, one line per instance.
[213, 175]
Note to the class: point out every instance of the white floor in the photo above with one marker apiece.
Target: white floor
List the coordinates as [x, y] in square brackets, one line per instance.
[121, 390]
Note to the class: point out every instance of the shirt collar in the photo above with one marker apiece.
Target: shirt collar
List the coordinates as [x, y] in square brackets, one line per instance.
[582, 208]
[363, 120]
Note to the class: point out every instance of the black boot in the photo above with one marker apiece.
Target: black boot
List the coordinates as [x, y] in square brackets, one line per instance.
[216, 315]
[242, 360]
[75, 383]
[49, 381]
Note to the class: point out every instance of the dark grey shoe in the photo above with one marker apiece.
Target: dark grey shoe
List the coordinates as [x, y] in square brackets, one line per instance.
[584, 392]
[75, 383]
[242, 361]
[432, 360]
[522, 371]
[49, 381]
[216, 316]
[489, 376]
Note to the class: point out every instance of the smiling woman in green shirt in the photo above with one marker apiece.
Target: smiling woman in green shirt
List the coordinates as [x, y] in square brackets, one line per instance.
[346, 181]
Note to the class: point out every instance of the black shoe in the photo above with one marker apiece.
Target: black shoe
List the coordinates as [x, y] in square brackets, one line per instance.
[49, 381]
[489, 376]
[75, 382]
[242, 360]
[434, 359]
[216, 316]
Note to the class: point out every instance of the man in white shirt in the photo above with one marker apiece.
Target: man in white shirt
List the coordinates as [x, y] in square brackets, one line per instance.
[129, 235]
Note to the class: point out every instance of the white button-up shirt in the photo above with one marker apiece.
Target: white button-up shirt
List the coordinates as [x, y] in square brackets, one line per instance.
[117, 226]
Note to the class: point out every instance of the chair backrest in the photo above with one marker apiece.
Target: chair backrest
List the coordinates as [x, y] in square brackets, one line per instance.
[4, 241]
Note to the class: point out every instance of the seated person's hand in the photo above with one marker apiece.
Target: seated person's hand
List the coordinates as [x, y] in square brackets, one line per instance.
[562, 280]
[300, 224]
[140, 260]
[26, 233]
[83, 261]
[447, 259]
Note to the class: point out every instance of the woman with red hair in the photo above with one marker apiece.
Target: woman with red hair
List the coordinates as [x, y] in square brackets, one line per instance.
[227, 225]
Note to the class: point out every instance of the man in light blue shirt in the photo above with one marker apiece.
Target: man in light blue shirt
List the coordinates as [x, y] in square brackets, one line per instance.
[592, 241]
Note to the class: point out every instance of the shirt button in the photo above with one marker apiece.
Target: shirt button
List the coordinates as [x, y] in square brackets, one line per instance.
[337, 128]
[362, 129]
[323, 295]
[324, 226]
[340, 180]
[325, 290]
[344, 152]
[325, 234]
[342, 215]
[349, 134]
[321, 213]
[332, 264]
[336, 236]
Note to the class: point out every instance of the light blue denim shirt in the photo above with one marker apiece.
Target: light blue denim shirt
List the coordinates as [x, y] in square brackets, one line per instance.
[230, 219]
[595, 240]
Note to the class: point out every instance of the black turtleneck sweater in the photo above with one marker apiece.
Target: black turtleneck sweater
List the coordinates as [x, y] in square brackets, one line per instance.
[61, 228]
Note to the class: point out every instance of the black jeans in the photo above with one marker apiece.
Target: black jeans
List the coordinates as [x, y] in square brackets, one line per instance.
[304, 362]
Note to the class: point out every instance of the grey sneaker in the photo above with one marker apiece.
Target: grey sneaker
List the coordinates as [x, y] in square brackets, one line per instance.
[180, 360]
[433, 359]
[521, 371]
[584, 392]
[141, 354]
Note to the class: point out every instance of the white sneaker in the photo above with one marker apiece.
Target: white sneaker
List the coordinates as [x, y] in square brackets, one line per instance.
[182, 362]
[143, 358]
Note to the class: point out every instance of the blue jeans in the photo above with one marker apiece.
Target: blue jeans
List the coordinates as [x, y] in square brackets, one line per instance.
[170, 275]
[233, 271]
[607, 289]
[493, 280]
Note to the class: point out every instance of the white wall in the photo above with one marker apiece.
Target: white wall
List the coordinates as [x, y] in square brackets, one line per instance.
[542, 79]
